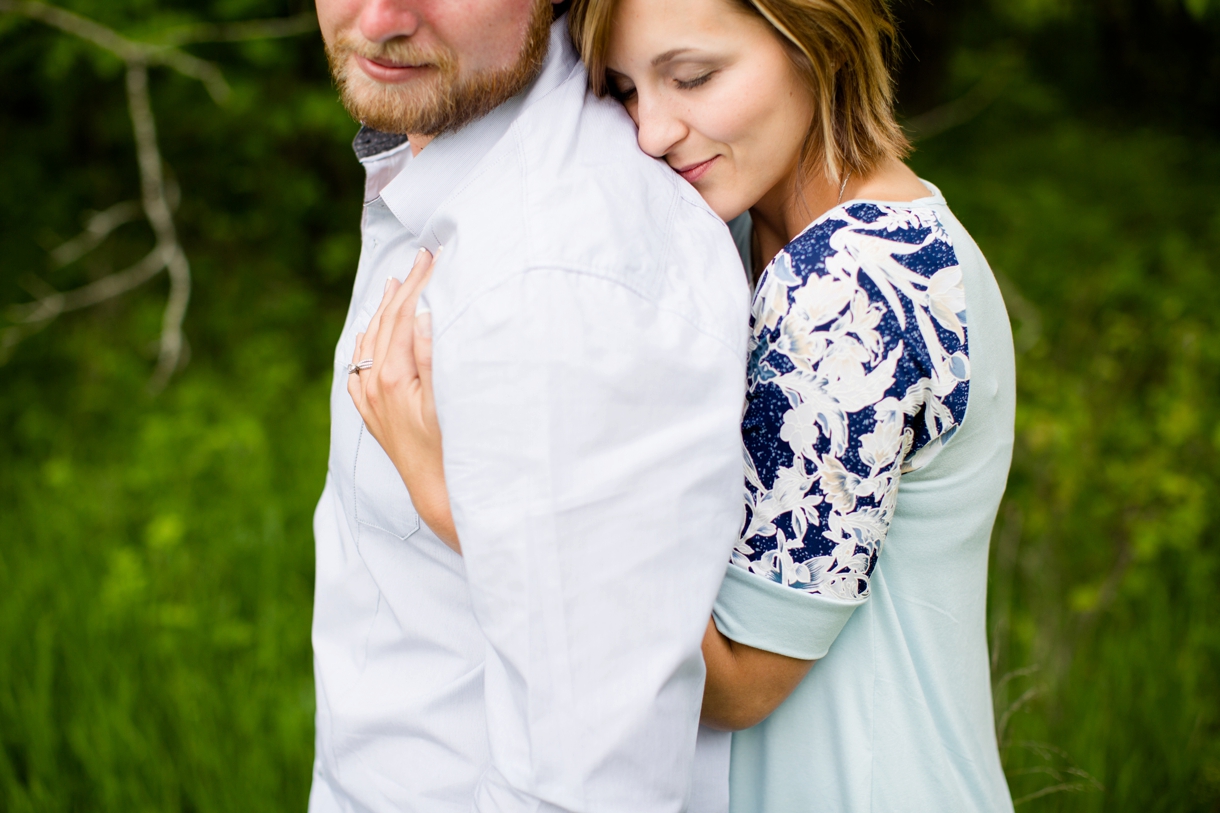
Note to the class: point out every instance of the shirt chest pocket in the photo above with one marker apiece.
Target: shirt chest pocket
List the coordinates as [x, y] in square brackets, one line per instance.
[381, 499]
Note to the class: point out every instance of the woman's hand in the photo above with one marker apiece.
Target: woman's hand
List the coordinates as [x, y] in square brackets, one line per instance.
[744, 684]
[395, 397]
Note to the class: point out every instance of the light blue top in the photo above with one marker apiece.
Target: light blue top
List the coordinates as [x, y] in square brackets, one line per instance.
[878, 435]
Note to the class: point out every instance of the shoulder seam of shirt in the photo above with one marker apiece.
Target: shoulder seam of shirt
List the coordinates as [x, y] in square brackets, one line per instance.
[678, 198]
[592, 274]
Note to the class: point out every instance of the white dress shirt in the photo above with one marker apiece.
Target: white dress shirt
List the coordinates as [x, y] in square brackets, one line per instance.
[590, 328]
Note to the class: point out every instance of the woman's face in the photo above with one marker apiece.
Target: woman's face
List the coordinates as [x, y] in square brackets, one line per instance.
[714, 94]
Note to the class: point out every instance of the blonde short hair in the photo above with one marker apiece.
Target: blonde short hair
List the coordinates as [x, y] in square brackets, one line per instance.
[840, 48]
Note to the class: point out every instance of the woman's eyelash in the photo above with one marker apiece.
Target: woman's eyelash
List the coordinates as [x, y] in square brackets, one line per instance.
[690, 84]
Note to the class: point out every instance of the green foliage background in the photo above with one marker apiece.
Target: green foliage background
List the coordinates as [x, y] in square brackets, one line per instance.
[156, 552]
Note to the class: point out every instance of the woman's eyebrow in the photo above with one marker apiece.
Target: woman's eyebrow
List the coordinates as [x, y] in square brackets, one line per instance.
[668, 56]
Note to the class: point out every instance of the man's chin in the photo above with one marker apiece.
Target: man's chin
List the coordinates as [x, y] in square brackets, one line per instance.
[394, 107]
[438, 99]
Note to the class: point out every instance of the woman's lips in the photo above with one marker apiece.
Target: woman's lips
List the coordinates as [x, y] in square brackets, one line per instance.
[694, 172]
[382, 72]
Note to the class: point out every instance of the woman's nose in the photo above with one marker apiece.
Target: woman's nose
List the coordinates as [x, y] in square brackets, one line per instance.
[659, 130]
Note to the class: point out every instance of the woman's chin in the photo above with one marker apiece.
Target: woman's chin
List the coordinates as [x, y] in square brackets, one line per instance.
[725, 207]
[726, 201]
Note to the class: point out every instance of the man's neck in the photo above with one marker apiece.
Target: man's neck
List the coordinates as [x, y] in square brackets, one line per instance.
[418, 142]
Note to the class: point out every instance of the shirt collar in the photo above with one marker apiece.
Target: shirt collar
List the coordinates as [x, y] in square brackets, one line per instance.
[370, 144]
[440, 167]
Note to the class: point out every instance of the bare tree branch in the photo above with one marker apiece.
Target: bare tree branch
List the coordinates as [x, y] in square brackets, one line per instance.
[96, 230]
[959, 111]
[108, 287]
[157, 198]
[100, 225]
[196, 68]
[168, 253]
[240, 32]
[157, 210]
[36, 286]
[125, 49]
[77, 25]
[964, 108]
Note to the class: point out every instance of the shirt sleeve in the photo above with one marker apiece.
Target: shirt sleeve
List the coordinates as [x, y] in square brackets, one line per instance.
[859, 372]
[592, 452]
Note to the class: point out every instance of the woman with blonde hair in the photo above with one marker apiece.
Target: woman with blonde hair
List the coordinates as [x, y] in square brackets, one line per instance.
[847, 650]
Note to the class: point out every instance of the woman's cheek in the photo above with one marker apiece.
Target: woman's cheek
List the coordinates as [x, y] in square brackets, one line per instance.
[740, 109]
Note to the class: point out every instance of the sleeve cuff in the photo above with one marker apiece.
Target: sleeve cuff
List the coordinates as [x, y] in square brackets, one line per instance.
[758, 612]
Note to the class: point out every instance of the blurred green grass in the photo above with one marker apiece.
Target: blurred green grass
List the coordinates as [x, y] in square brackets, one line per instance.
[156, 552]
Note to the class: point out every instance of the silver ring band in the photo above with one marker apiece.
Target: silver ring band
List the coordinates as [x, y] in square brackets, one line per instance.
[365, 364]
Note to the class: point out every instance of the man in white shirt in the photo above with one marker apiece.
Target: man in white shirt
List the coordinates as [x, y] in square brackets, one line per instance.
[589, 324]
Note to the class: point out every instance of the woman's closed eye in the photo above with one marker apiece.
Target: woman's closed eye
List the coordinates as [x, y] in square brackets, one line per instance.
[691, 84]
[622, 89]
[621, 94]
[619, 86]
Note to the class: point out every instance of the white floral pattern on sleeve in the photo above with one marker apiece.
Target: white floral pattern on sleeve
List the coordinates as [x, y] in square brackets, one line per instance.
[859, 372]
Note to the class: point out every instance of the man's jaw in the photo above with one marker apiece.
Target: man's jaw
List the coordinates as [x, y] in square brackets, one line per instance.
[402, 89]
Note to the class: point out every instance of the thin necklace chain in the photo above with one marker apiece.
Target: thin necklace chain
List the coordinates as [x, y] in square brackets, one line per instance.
[843, 187]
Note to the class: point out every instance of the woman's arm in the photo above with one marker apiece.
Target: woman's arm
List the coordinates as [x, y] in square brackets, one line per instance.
[744, 685]
[859, 371]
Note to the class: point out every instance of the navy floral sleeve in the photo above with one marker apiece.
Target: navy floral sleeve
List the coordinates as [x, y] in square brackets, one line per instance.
[859, 372]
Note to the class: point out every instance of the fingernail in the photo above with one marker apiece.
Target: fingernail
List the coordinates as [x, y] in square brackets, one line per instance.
[388, 280]
[420, 253]
[423, 324]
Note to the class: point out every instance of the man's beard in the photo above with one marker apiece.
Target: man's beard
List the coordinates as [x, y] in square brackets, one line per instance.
[443, 102]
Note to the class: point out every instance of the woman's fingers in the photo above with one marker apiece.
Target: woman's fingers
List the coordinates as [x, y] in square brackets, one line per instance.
[358, 383]
[421, 270]
[354, 385]
[423, 363]
[422, 352]
[389, 341]
[392, 355]
[364, 347]
[402, 343]
[385, 364]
